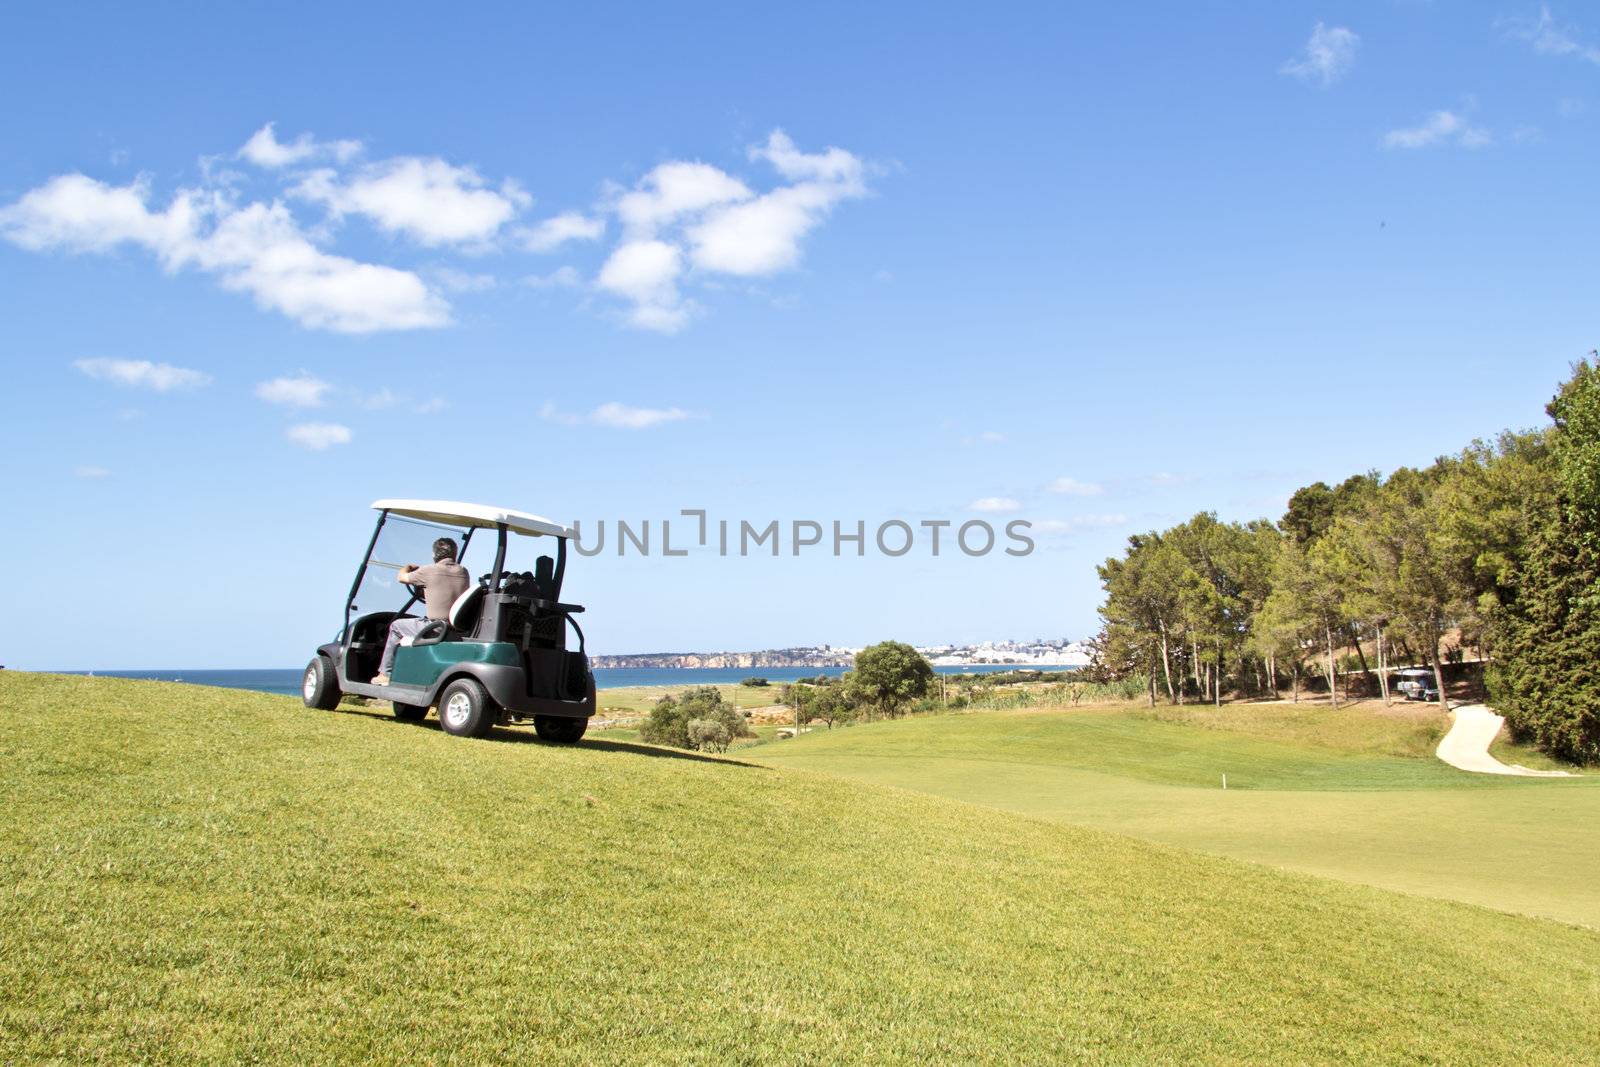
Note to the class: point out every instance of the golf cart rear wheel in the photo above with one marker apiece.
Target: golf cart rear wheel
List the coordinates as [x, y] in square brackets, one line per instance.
[559, 728]
[465, 709]
[410, 712]
[318, 686]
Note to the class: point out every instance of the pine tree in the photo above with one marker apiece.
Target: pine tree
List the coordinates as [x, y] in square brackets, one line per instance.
[1545, 677]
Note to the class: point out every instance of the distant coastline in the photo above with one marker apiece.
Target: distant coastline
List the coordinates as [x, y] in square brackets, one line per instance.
[1054, 653]
[823, 656]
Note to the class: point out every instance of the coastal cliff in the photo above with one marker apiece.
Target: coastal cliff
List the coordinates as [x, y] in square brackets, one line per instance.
[777, 657]
[1042, 652]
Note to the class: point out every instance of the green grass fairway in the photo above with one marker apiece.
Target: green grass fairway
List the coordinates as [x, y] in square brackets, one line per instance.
[189, 874]
[1332, 793]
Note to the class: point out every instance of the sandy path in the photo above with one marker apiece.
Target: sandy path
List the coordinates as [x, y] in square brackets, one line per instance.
[1467, 744]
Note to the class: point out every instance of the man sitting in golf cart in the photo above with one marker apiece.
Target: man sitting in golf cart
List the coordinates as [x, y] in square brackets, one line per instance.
[440, 583]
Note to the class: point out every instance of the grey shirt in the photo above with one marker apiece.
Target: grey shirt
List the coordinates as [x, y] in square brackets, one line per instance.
[440, 583]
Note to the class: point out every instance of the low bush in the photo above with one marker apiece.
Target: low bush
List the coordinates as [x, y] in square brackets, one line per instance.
[670, 720]
[709, 735]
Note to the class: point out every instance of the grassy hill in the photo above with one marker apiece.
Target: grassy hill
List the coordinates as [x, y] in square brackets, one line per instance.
[1353, 794]
[191, 873]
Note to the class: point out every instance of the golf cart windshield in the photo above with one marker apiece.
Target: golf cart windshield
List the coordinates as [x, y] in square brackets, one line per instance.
[400, 541]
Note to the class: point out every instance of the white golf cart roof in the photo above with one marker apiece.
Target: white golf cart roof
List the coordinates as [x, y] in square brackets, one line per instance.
[456, 513]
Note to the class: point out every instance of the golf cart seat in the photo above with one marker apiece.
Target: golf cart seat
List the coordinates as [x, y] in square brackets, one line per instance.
[465, 611]
[462, 622]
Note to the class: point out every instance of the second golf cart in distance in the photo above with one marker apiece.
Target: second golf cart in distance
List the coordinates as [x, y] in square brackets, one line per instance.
[500, 658]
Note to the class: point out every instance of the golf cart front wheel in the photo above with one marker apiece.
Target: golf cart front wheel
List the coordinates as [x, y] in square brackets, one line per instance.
[318, 686]
[410, 712]
[559, 728]
[465, 709]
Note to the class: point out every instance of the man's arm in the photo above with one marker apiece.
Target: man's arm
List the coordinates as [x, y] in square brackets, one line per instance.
[408, 573]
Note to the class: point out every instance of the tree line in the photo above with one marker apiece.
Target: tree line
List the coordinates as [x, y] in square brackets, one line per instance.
[1496, 544]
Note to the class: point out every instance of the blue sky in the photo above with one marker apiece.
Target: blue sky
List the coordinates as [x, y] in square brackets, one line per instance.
[1096, 269]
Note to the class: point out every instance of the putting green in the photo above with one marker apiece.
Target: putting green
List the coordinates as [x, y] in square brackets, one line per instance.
[1400, 822]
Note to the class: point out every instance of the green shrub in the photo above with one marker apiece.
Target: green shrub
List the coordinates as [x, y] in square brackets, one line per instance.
[1013, 677]
[669, 720]
[708, 735]
[831, 706]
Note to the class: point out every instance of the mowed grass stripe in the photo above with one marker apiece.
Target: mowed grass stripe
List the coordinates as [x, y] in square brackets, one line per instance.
[1406, 823]
[193, 874]
[1136, 744]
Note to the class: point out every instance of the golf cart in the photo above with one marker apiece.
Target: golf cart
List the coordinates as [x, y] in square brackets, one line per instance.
[1418, 683]
[500, 658]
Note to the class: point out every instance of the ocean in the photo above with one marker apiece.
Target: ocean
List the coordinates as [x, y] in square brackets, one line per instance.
[287, 680]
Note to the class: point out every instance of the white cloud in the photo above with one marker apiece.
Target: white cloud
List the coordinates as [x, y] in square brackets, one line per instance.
[996, 504]
[549, 413]
[554, 232]
[318, 436]
[1073, 487]
[426, 199]
[560, 278]
[79, 214]
[682, 224]
[616, 416]
[1328, 55]
[661, 318]
[832, 166]
[691, 214]
[265, 150]
[387, 398]
[1078, 523]
[303, 391]
[674, 190]
[646, 272]
[90, 472]
[1441, 127]
[258, 249]
[631, 418]
[383, 398]
[762, 236]
[460, 281]
[143, 374]
[1549, 39]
